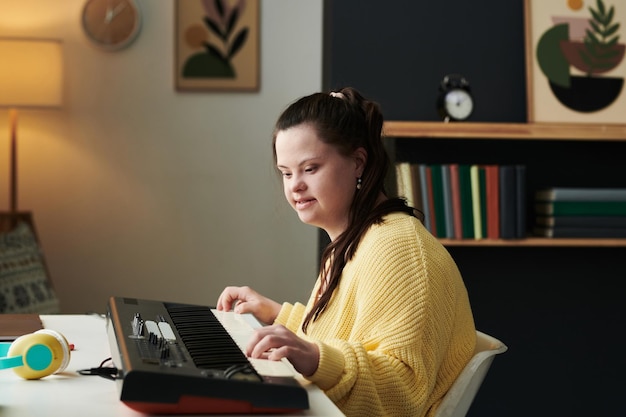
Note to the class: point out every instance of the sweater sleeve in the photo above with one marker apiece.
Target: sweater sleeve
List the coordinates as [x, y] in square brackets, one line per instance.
[291, 316]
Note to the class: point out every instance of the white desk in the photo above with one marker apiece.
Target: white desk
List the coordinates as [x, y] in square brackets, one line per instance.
[69, 394]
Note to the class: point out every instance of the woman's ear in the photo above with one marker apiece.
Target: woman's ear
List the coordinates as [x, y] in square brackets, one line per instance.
[360, 158]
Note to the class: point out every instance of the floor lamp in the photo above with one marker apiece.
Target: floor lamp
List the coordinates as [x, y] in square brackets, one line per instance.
[31, 76]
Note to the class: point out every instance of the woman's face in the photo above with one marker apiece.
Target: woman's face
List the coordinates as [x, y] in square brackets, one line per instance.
[319, 183]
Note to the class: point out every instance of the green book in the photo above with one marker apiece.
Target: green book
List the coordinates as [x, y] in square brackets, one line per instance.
[440, 215]
[581, 221]
[580, 232]
[581, 208]
[482, 183]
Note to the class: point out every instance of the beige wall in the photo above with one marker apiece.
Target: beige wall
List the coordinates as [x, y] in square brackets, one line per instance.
[138, 190]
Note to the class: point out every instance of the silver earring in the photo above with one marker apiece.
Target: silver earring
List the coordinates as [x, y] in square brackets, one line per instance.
[358, 183]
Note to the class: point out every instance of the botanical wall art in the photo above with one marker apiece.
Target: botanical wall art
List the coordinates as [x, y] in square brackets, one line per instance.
[575, 61]
[217, 45]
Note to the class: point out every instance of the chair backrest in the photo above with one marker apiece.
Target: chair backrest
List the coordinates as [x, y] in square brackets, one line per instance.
[458, 399]
[24, 278]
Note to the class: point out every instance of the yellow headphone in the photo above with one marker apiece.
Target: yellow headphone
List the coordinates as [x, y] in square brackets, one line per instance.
[36, 355]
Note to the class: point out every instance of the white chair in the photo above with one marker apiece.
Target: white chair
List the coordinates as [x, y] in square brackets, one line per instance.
[458, 399]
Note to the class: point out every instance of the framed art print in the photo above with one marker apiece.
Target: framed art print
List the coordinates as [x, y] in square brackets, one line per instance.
[575, 66]
[217, 45]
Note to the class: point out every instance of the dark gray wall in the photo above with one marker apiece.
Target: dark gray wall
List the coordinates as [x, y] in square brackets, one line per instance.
[399, 51]
[561, 311]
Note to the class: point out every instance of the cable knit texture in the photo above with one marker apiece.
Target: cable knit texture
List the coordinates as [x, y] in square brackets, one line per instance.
[399, 328]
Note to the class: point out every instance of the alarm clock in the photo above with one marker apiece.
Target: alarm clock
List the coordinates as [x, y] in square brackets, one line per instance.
[455, 101]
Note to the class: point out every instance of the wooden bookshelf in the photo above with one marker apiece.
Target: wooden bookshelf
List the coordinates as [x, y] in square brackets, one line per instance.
[513, 131]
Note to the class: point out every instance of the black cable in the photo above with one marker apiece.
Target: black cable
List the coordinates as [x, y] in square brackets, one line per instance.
[108, 372]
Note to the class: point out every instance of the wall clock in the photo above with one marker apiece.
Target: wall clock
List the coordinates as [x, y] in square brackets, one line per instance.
[111, 25]
[455, 101]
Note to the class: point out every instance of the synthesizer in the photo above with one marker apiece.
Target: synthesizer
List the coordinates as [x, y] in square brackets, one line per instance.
[178, 358]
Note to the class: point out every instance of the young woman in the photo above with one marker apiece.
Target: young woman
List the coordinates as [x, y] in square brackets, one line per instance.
[388, 326]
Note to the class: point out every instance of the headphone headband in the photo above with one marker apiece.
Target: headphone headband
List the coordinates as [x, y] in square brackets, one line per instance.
[8, 362]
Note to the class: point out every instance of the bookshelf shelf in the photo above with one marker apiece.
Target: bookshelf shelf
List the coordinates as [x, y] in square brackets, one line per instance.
[537, 241]
[528, 131]
[429, 132]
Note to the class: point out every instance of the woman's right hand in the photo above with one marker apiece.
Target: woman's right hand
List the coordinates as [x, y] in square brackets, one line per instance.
[246, 300]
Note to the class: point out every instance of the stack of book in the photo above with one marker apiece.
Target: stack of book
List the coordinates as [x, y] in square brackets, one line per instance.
[580, 212]
[467, 201]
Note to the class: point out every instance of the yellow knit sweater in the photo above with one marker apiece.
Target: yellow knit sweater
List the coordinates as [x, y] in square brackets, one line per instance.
[398, 329]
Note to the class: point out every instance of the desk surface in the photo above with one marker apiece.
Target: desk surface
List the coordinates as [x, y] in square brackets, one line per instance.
[69, 394]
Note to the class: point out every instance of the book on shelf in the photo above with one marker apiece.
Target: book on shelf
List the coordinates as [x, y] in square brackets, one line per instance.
[493, 201]
[416, 188]
[581, 221]
[423, 178]
[467, 214]
[455, 186]
[579, 232]
[508, 204]
[447, 200]
[403, 181]
[580, 194]
[440, 216]
[476, 210]
[520, 211]
[482, 186]
[399, 180]
[581, 208]
[431, 203]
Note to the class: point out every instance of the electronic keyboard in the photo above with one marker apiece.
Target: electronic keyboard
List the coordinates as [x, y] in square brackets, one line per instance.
[178, 358]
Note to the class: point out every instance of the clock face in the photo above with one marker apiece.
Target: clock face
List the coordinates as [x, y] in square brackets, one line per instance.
[111, 24]
[458, 104]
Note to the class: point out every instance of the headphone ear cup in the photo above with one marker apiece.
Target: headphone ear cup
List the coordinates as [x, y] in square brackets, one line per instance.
[65, 352]
[43, 353]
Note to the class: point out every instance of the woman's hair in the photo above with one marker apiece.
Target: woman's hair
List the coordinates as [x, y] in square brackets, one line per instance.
[347, 121]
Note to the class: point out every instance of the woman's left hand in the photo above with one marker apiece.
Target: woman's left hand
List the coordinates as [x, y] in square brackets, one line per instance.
[277, 342]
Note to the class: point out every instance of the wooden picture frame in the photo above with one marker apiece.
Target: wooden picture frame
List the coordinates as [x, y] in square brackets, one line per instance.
[217, 45]
[567, 79]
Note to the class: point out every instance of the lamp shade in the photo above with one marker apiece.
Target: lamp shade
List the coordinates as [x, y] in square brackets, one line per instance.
[31, 73]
